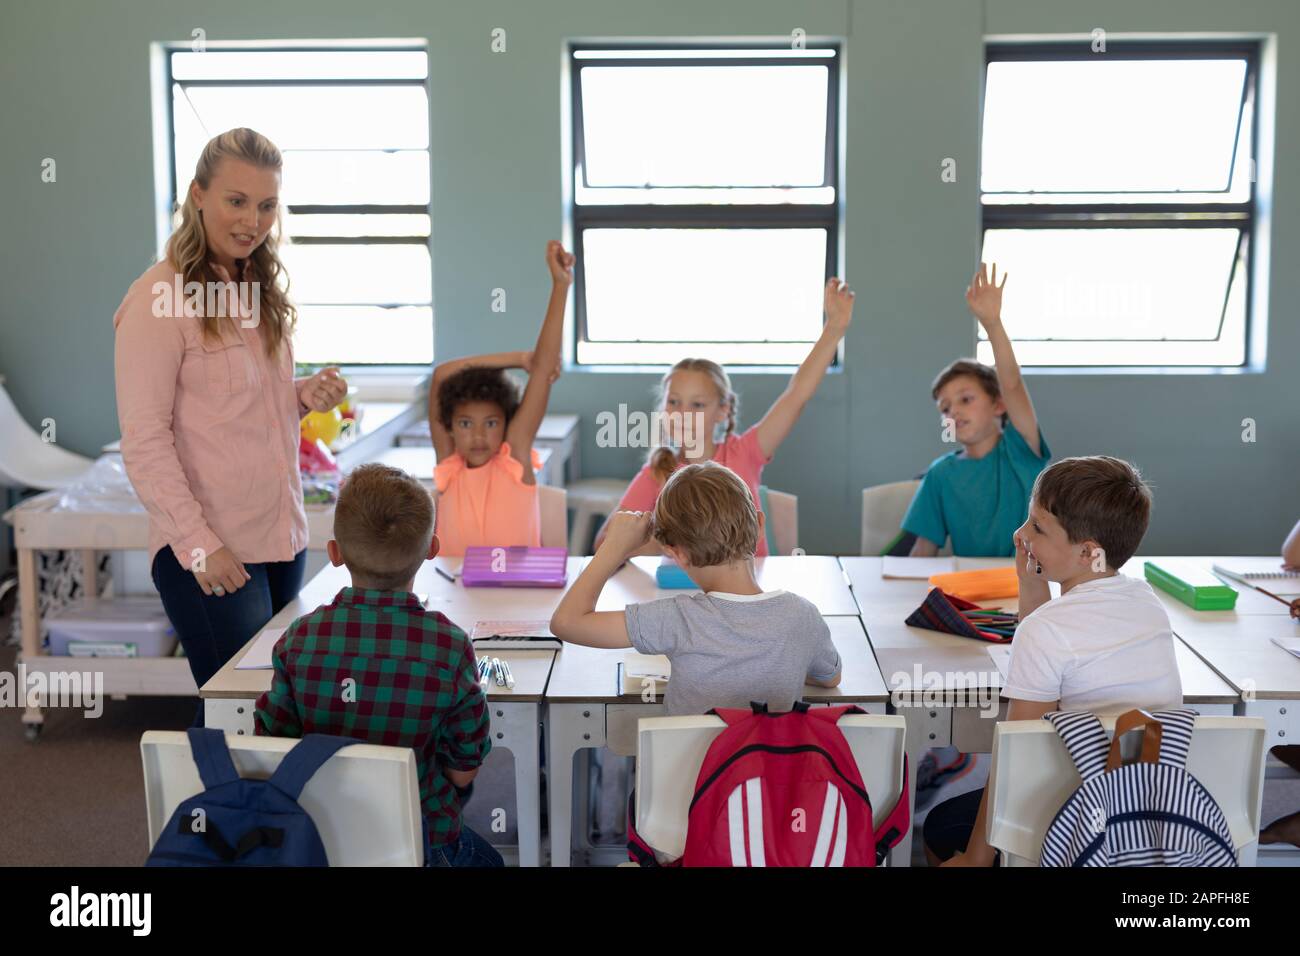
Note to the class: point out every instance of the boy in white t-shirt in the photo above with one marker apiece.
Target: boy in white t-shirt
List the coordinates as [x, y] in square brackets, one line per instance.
[1105, 645]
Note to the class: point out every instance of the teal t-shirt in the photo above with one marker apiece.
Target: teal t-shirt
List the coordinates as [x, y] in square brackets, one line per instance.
[979, 502]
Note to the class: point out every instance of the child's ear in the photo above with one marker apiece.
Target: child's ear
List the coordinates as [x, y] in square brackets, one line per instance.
[335, 555]
[434, 546]
[677, 554]
[762, 523]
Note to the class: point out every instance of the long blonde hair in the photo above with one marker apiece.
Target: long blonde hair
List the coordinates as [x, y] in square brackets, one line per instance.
[664, 458]
[187, 249]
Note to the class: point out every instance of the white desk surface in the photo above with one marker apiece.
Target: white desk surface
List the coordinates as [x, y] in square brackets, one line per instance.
[1249, 601]
[462, 605]
[815, 577]
[1242, 651]
[592, 674]
[886, 603]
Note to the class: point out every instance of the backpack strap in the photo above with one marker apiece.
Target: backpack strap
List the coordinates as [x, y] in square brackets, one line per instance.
[1084, 738]
[250, 841]
[300, 763]
[212, 757]
[1176, 737]
[898, 822]
[832, 715]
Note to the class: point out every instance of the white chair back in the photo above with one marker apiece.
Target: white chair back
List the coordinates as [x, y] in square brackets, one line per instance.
[554, 509]
[783, 521]
[883, 507]
[365, 800]
[670, 752]
[1032, 776]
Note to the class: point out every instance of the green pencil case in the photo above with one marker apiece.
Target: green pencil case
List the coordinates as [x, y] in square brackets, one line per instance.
[1195, 586]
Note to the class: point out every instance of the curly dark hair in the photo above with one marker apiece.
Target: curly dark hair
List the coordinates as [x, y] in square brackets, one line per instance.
[476, 384]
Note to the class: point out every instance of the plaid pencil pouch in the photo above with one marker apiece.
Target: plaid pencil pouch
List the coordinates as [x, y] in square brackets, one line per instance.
[952, 615]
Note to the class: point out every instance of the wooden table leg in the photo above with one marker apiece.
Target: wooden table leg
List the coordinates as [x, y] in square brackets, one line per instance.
[30, 623]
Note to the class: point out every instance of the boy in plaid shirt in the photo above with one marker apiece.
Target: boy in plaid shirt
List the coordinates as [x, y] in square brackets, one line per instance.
[375, 665]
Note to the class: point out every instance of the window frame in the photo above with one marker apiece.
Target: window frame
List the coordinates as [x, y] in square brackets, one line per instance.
[1241, 216]
[170, 83]
[704, 215]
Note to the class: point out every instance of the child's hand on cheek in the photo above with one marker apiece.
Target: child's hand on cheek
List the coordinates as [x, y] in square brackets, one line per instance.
[627, 531]
[1027, 566]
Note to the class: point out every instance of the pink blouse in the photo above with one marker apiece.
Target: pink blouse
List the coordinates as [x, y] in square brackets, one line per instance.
[209, 429]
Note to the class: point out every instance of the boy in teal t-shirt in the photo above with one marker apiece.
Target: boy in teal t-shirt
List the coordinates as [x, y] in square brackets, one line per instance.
[979, 495]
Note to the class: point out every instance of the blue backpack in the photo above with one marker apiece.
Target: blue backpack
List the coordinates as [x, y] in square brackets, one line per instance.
[238, 822]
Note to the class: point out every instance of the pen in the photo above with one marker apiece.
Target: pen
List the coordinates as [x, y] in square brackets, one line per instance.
[510, 677]
[501, 677]
[444, 574]
[483, 670]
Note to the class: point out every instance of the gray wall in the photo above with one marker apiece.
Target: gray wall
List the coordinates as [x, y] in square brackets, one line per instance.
[76, 81]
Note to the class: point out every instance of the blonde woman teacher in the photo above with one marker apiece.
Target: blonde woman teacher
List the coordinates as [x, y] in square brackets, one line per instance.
[210, 410]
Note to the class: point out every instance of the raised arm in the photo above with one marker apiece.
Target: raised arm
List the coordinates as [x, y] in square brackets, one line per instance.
[442, 442]
[545, 366]
[785, 411]
[984, 297]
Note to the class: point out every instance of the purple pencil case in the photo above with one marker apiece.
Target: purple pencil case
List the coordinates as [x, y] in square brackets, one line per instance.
[514, 567]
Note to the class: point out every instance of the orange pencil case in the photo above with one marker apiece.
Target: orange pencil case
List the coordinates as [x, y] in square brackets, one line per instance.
[983, 584]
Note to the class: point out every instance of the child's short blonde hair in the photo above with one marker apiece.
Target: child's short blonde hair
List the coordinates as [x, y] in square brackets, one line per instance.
[383, 523]
[706, 510]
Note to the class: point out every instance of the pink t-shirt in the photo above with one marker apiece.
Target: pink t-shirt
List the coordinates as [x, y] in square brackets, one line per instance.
[489, 505]
[741, 453]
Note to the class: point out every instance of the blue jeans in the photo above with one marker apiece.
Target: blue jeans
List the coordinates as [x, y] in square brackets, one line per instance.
[212, 629]
[469, 849]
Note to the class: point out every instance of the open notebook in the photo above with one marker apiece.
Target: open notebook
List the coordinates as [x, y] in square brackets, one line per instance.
[1254, 569]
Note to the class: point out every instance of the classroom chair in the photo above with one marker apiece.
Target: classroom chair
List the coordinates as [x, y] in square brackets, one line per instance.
[782, 510]
[883, 507]
[553, 505]
[591, 499]
[27, 460]
[1032, 776]
[670, 752]
[365, 801]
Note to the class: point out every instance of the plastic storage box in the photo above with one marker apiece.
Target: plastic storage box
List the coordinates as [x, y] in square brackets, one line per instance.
[140, 621]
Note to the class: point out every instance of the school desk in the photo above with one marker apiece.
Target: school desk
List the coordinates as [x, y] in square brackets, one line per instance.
[586, 707]
[516, 713]
[946, 686]
[815, 577]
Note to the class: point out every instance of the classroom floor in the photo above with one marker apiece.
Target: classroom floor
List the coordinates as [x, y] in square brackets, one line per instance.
[76, 798]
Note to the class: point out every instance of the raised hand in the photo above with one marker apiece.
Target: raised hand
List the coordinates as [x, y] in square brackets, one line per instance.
[838, 304]
[984, 296]
[559, 262]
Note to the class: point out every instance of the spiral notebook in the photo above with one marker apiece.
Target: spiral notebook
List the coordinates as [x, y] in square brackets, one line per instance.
[1254, 569]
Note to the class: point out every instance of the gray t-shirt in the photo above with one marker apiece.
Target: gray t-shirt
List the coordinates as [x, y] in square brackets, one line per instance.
[729, 649]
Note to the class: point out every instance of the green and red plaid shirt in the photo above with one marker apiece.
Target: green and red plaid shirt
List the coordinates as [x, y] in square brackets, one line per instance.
[415, 685]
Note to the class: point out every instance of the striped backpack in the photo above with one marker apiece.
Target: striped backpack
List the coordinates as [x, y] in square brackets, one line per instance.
[783, 789]
[1151, 812]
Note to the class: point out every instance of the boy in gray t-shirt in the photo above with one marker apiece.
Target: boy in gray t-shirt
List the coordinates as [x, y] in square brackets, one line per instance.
[730, 645]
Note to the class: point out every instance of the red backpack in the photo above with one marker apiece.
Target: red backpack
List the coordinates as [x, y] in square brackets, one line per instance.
[782, 790]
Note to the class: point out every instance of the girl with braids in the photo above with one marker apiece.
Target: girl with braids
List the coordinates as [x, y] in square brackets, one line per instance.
[700, 413]
[209, 408]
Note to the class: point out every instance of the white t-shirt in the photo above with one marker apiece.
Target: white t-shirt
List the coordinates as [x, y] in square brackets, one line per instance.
[1105, 646]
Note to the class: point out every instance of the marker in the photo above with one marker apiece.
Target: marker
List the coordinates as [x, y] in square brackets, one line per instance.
[501, 677]
[510, 677]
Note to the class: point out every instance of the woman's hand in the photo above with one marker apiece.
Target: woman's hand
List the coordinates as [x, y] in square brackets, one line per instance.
[323, 390]
[222, 574]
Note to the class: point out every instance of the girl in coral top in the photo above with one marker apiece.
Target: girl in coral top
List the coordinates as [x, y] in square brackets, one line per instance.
[483, 433]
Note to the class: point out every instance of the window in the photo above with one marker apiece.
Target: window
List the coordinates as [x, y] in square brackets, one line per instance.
[353, 127]
[1118, 192]
[705, 210]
